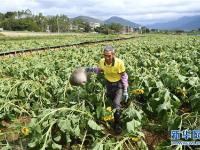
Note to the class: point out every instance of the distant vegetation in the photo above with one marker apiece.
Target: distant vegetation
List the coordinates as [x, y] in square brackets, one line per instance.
[109, 28]
[26, 21]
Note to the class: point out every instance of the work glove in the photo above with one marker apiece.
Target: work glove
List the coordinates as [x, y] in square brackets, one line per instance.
[89, 69]
[125, 96]
[93, 69]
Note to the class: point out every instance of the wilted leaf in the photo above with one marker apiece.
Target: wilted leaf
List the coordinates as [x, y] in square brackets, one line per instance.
[98, 146]
[93, 125]
[56, 146]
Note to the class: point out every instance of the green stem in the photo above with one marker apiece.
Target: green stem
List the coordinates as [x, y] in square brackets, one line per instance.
[120, 143]
[64, 109]
[83, 140]
[12, 89]
[47, 135]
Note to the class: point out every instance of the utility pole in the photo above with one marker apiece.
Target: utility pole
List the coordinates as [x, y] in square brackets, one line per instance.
[57, 25]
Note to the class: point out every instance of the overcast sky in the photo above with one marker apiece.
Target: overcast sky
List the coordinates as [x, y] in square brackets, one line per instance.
[138, 11]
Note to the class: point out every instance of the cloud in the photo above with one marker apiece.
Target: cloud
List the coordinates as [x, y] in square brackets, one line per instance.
[14, 5]
[140, 11]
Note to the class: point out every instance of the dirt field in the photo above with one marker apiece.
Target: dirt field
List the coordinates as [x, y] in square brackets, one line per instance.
[21, 34]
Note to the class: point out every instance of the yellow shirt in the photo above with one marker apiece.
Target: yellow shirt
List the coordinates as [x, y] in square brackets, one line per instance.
[112, 71]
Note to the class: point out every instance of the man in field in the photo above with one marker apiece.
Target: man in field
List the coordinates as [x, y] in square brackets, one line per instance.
[116, 81]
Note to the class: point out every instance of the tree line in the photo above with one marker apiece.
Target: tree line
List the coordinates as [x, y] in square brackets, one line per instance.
[25, 20]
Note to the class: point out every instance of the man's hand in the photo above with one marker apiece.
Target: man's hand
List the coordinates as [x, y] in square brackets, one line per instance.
[93, 70]
[125, 95]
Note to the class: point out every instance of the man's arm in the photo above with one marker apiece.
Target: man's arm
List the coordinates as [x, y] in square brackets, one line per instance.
[124, 79]
[124, 75]
[96, 70]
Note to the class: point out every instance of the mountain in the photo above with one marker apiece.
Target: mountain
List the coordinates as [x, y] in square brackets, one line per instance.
[184, 23]
[121, 21]
[88, 19]
[108, 21]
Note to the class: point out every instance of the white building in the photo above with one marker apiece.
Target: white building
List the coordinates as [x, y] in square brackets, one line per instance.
[73, 27]
[93, 25]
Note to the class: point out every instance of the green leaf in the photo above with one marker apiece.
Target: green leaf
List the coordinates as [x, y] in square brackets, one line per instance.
[132, 125]
[132, 112]
[58, 138]
[7, 147]
[68, 138]
[21, 93]
[64, 125]
[98, 146]
[167, 96]
[165, 106]
[182, 78]
[142, 145]
[56, 146]
[32, 144]
[93, 125]
[159, 84]
[176, 123]
[77, 131]
[193, 81]
[99, 112]
[17, 110]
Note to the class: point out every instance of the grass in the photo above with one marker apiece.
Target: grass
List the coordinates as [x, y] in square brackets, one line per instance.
[1, 35]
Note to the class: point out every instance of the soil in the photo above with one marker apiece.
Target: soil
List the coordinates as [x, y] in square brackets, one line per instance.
[153, 139]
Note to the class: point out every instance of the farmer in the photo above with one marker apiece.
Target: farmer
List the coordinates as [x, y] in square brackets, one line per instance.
[116, 81]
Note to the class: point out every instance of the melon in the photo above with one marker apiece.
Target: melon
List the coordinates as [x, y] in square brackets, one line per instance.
[78, 77]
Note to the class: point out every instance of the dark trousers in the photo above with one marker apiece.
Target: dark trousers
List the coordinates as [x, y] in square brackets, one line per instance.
[114, 91]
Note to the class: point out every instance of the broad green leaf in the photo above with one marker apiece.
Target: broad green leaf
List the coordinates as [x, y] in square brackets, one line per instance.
[93, 125]
[176, 124]
[132, 112]
[132, 125]
[165, 106]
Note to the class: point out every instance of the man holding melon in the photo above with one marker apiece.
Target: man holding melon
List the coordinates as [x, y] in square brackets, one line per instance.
[116, 81]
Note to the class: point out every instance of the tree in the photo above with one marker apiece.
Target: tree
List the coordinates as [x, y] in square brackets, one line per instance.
[1, 17]
[143, 30]
[52, 21]
[63, 23]
[87, 27]
[116, 27]
[25, 20]
[10, 15]
[20, 24]
[105, 29]
[28, 13]
[41, 21]
[78, 22]
[109, 29]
